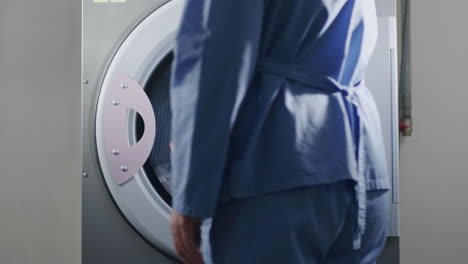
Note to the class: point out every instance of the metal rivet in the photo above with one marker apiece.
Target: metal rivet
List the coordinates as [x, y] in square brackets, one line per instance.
[116, 152]
[85, 174]
[85, 81]
[115, 102]
[124, 168]
[124, 86]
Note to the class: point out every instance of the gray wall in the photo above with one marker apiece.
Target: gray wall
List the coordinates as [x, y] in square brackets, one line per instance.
[39, 132]
[434, 162]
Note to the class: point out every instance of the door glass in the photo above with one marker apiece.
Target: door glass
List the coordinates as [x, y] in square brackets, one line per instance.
[158, 166]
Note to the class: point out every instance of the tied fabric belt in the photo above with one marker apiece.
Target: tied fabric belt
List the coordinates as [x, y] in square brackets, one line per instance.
[320, 81]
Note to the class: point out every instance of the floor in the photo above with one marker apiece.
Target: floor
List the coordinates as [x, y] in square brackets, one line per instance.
[391, 253]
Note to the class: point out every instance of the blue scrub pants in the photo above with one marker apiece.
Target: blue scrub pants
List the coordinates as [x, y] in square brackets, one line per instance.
[309, 225]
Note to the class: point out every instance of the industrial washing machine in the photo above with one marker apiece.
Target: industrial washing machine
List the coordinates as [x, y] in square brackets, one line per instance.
[126, 62]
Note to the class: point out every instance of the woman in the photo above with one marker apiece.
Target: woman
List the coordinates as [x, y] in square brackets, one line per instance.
[277, 138]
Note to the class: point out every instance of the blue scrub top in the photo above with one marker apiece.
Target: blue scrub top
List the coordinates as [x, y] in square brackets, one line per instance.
[269, 95]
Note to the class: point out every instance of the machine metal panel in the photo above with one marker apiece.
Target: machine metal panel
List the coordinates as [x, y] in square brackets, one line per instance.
[382, 80]
[386, 8]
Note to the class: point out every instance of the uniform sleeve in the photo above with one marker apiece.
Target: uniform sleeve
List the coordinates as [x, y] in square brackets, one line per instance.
[214, 60]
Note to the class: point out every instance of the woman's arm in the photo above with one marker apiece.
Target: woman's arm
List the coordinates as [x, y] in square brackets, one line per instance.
[215, 57]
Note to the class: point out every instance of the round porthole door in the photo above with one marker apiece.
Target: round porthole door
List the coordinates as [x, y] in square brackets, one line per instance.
[133, 125]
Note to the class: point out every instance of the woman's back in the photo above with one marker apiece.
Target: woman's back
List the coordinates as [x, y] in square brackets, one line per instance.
[268, 96]
[246, 120]
[335, 37]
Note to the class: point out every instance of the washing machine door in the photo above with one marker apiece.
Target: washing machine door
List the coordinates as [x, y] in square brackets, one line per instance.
[133, 125]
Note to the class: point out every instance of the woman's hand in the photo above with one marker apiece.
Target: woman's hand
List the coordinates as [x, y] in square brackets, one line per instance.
[187, 237]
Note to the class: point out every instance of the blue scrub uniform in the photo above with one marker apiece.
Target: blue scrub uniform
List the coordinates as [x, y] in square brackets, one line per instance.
[268, 96]
[310, 225]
